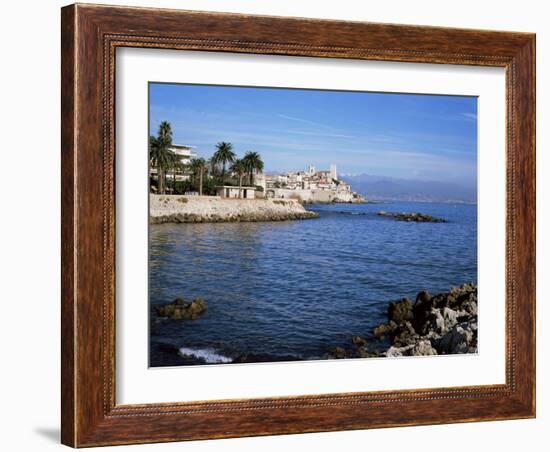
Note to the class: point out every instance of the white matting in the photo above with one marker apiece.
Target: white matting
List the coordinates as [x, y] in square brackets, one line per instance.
[136, 383]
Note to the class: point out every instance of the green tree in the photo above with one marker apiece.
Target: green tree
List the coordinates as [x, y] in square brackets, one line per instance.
[160, 155]
[199, 167]
[176, 165]
[224, 154]
[253, 164]
[239, 168]
[213, 168]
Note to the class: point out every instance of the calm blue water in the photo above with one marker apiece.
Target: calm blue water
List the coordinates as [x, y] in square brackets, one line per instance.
[298, 288]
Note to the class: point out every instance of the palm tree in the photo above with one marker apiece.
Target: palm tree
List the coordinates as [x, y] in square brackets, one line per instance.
[165, 132]
[161, 157]
[160, 154]
[213, 167]
[239, 168]
[224, 154]
[199, 166]
[254, 164]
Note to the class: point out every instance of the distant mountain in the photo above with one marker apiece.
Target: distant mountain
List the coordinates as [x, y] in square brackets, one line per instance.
[381, 188]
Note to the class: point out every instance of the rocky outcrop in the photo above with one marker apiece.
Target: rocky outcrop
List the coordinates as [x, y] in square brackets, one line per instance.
[212, 209]
[416, 217]
[180, 310]
[442, 324]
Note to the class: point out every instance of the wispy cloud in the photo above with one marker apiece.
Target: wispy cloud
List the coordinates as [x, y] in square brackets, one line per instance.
[304, 121]
[320, 134]
[472, 116]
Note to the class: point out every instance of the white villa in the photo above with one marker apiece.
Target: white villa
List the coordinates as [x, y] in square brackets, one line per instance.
[186, 154]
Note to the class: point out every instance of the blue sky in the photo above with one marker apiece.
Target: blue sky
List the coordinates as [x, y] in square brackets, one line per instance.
[397, 135]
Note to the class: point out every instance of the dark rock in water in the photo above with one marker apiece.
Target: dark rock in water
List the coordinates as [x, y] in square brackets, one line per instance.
[416, 217]
[384, 329]
[358, 340]
[338, 353]
[404, 334]
[423, 297]
[421, 311]
[363, 352]
[179, 309]
[359, 351]
[399, 311]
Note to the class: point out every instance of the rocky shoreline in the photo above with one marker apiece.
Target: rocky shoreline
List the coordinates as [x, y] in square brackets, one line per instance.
[441, 324]
[212, 209]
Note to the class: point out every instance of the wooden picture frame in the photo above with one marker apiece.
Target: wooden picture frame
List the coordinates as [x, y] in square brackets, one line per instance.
[90, 36]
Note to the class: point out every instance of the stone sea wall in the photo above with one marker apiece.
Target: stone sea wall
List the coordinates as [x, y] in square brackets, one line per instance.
[212, 209]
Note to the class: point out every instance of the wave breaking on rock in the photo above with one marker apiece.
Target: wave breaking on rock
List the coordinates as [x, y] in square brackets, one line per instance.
[209, 356]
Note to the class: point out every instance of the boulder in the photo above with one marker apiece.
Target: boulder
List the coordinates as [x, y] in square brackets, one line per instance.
[358, 340]
[384, 329]
[179, 309]
[462, 338]
[381, 330]
[421, 311]
[415, 216]
[404, 334]
[423, 348]
[362, 352]
[394, 352]
[338, 353]
[400, 311]
[442, 320]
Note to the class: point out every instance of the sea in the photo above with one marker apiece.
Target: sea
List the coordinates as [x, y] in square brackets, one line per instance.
[294, 290]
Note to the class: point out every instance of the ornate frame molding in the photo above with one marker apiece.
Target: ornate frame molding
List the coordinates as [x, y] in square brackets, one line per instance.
[90, 37]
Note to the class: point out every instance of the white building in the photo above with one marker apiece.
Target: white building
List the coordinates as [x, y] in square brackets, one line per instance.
[310, 186]
[185, 152]
[333, 174]
[260, 180]
[230, 191]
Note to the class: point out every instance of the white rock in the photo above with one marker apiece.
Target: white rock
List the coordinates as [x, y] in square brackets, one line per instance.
[423, 348]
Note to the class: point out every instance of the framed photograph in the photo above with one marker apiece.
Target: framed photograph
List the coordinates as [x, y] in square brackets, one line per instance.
[282, 225]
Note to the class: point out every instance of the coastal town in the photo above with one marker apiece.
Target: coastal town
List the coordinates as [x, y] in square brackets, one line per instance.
[176, 169]
[311, 186]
